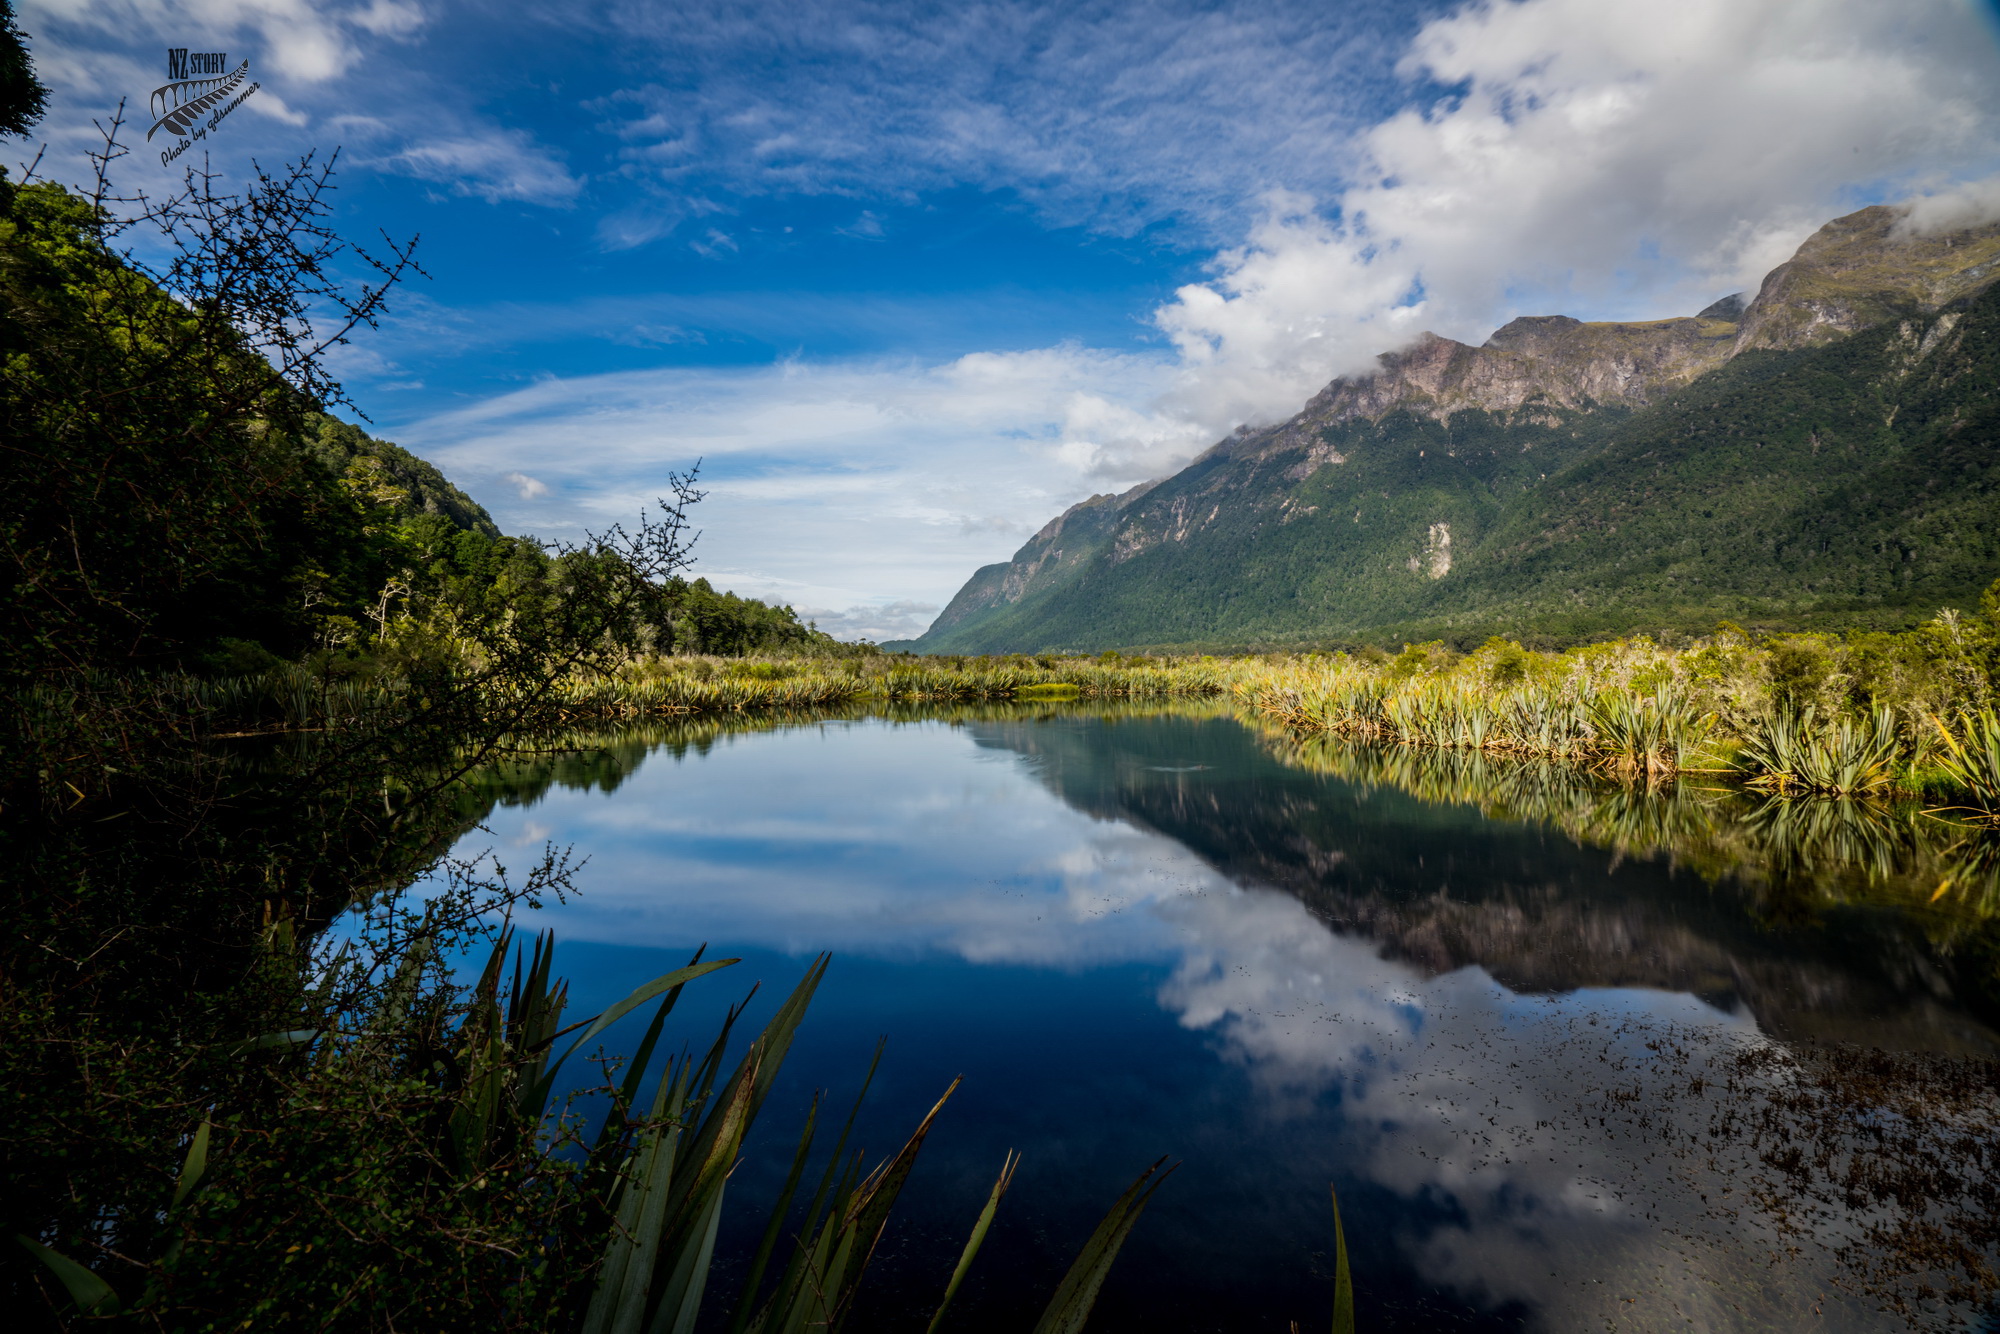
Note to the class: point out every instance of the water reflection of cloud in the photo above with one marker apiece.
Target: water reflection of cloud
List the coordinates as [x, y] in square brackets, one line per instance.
[1544, 1125]
[865, 840]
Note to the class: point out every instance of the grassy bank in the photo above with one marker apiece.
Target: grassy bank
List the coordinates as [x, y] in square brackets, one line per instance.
[1866, 714]
[296, 698]
[1869, 714]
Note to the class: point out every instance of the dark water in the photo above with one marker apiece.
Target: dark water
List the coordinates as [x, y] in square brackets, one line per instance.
[1509, 1046]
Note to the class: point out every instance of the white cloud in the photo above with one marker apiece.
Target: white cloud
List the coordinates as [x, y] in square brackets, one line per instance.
[1619, 159]
[528, 488]
[314, 64]
[297, 39]
[389, 18]
[1604, 158]
[1973, 204]
[876, 623]
[1118, 116]
[489, 162]
[1615, 158]
[828, 483]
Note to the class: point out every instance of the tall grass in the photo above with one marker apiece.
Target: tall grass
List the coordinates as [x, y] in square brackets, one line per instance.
[1633, 706]
[1790, 848]
[1564, 718]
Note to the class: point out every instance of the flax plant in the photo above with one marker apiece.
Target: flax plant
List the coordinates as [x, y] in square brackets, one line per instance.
[1804, 752]
[620, 1227]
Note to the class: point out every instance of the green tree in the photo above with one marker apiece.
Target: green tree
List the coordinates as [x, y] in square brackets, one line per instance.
[161, 498]
[22, 96]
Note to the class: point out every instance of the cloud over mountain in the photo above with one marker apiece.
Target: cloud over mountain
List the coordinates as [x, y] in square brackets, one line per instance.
[1618, 159]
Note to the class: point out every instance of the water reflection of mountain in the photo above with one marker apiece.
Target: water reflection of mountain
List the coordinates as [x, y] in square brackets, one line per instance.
[1444, 886]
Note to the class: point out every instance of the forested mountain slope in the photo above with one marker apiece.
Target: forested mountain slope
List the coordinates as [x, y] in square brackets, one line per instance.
[173, 503]
[1821, 455]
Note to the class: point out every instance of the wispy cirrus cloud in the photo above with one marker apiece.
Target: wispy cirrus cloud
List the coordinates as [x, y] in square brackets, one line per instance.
[1600, 158]
[1114, 116]
[1356, 174]
[491, 162]
[354, 73]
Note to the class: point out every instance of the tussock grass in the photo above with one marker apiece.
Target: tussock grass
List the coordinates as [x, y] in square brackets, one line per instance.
[1792, 716]
[1791, 851]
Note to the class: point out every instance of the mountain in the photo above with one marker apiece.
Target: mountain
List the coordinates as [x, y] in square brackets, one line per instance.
[385, 473]
[1821, 454]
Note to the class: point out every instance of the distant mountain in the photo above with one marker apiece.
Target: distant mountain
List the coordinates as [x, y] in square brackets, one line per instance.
[1826, 453]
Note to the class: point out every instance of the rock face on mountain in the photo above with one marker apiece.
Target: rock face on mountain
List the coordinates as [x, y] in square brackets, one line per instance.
[1460, 488]
[1865, 269]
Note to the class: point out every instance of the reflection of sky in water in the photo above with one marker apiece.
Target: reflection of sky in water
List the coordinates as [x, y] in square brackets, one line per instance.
[1489, 1179]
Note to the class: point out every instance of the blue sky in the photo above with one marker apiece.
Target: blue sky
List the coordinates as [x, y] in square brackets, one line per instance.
[912, 278]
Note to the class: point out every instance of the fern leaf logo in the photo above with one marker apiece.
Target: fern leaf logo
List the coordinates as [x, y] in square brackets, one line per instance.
[178, 105]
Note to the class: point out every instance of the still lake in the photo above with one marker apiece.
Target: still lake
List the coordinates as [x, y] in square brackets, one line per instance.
[1525, 1053]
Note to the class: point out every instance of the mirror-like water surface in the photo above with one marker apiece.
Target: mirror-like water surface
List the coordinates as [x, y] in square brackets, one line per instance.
[1562, 1080]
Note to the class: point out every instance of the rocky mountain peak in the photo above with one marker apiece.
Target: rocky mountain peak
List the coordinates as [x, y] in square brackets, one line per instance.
[1533, 335]
[1534, 365]
[1859, 270]
[1863, 269]
[1729, 308]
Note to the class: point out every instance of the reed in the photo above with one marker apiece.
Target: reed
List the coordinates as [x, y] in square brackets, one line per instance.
[1618, 727]
[1793, 849]
[294, 698]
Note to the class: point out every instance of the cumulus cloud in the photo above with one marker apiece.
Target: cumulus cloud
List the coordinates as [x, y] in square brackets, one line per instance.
[1370, 170]
[315, 63]
[300, 40]
[889, 620]
[1605, 159]
[528, 488]
[1619, 159]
